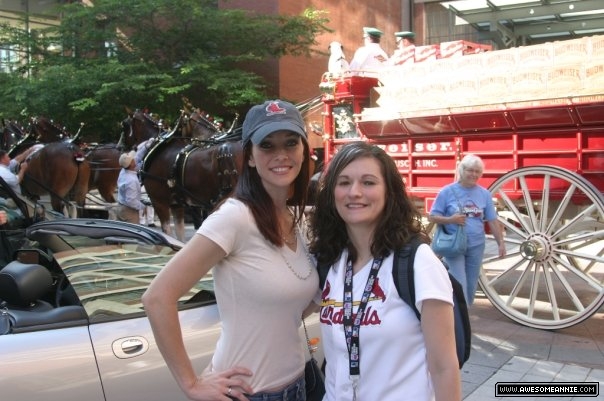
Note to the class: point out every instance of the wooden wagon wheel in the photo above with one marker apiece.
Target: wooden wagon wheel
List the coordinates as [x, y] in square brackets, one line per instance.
[553, 274]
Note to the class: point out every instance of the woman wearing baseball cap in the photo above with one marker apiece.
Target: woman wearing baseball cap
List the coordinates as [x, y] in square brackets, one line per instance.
[264, 278]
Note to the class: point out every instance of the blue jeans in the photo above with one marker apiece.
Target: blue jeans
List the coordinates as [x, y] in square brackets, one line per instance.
[466, 269]
[294, 392]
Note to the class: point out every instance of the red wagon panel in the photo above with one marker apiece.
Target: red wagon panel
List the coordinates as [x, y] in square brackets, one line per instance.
[542, 142]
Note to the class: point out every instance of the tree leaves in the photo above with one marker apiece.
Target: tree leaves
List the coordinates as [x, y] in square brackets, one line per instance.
[148, 54]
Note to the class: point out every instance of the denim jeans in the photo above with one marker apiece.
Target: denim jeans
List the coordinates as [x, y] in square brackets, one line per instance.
[466, 269]
[294, 392]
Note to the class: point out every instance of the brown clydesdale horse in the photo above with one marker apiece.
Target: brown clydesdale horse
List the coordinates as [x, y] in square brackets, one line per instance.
[60, 170]
[165, 173]
[191, 126]
[56, 166]
[180, 173]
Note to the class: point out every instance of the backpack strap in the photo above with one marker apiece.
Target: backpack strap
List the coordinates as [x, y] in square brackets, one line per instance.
[323, 269]
[403, 273]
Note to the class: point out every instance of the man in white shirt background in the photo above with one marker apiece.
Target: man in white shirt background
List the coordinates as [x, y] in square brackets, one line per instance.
[369, 58]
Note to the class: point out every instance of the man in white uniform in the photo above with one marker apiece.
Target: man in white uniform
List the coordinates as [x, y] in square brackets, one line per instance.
[405, 50]
[369, 58]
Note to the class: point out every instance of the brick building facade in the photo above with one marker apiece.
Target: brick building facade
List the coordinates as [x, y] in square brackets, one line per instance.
[297, 78]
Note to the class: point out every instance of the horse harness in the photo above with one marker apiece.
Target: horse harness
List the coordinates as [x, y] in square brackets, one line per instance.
[223, 162]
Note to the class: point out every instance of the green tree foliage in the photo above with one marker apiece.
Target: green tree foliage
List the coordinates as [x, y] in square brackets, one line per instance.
[148, 54]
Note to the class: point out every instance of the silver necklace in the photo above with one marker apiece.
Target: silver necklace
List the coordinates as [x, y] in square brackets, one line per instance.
[291, 268]
[285, 236]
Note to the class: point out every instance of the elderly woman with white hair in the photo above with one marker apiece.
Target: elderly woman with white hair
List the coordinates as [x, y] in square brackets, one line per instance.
[465, 203]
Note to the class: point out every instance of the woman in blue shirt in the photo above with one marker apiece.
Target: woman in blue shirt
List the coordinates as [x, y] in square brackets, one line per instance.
[465, 203]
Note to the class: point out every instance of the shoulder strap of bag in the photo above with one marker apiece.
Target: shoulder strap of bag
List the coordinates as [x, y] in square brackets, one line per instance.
[457, 198]
[323, 269]
[402, 272]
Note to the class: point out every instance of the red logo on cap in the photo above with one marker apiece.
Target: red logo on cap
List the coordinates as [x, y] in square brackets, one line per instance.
[274, 108]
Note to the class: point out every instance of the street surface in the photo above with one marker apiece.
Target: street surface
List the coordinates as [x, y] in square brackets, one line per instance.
[505, 351]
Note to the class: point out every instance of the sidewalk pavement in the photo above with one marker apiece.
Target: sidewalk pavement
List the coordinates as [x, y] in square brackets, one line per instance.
[506, 351]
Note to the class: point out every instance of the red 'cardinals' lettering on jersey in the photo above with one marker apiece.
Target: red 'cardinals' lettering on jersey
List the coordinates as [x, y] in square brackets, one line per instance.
[332, 311]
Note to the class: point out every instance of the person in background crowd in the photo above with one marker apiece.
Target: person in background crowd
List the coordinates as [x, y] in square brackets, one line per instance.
[128, 190]
[405, 50]
[363, 215]
[369, 58]
[9, 167]
[264, 277]
[146, 214]
[465, 203]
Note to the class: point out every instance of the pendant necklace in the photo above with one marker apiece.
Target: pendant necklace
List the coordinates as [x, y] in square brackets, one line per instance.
[308, 258]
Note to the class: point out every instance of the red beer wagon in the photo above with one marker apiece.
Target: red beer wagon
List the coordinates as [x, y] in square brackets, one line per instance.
[535, 115]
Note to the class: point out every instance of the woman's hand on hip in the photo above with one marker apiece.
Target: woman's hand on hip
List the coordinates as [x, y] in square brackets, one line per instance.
[219, 386]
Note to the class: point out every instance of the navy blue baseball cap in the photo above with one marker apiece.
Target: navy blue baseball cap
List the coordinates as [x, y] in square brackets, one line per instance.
[271, 116]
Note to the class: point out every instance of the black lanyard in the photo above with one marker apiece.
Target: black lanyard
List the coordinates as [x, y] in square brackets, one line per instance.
[351, 327]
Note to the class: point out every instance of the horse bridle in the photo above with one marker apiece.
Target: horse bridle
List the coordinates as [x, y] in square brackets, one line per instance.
[204, 121]
[11, 130]
[36, 127]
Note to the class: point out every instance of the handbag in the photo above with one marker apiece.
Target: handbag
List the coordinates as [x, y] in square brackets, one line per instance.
[447, 244]
[314, 378]
[315, 382]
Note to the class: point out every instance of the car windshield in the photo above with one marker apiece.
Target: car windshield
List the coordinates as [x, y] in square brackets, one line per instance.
[109, 279]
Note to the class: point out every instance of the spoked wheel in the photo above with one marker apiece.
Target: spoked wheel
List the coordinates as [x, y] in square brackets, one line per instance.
[553, 274]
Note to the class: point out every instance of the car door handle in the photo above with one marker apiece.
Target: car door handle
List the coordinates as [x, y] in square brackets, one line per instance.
[129, 347]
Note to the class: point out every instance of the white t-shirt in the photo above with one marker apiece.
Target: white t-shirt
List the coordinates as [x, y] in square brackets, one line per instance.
[393, 364]
[260, 300]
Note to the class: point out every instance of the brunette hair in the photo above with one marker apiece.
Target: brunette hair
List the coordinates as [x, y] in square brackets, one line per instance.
[251, 191]
[399, 221]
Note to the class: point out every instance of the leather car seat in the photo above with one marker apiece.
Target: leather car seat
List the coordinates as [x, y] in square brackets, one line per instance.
[23, 285]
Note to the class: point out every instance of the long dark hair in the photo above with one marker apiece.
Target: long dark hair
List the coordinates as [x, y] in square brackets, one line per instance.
[399, 221]
[249, 190]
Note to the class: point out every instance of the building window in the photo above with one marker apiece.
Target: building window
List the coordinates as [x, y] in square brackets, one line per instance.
[9, 59]
[111, 49]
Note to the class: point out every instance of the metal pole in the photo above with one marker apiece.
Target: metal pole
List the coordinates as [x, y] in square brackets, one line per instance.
[25, 4]
[407, 15]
